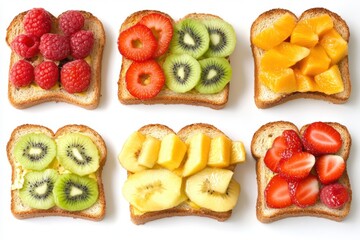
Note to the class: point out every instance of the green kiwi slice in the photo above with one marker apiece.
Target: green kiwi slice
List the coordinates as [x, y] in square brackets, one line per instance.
[222, 38]
[78, 154]
[190, 37]
[75, 193]
[215, 74]
[182, 72]
[37, 189]
[35, 151]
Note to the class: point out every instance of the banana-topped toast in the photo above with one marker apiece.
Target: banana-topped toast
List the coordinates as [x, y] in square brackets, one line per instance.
[57, 174]
[182, 62]
[180, 174]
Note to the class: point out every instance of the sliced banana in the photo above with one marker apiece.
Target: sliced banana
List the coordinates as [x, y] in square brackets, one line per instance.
[153, 190]
[129, 154]
[205, 189]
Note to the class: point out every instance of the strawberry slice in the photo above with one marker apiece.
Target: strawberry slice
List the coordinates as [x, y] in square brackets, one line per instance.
[334, 195]
[144, 80]
[277, 194]
[305, 192]
[298, 166]
[320, 138]
[272, 158]
[162, 28]
[329, 168]
[137, 43]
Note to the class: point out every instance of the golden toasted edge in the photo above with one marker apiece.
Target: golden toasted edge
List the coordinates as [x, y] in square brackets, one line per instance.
[94, 213]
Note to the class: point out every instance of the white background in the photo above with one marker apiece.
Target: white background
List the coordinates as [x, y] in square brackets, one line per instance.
[239, 120]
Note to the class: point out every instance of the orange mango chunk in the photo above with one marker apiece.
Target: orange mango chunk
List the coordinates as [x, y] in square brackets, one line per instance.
[330, 81]
[304, 83]
[276, 33]
[304, 35]
[283, 56]
[319, 24]
[317, 62]
[279, 81]
[335, 46]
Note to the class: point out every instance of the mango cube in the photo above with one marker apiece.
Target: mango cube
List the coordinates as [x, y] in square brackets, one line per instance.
[220, 152]
[319, 24]
[172, 152]
[317, 62]
[279, 81]
[149, 152]
[304, 83]
[303, 35]
[238, 153]
[335, 46]
[330, 81]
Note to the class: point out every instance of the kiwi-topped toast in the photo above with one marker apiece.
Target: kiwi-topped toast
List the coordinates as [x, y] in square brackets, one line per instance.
[184, 62]
[57, 174]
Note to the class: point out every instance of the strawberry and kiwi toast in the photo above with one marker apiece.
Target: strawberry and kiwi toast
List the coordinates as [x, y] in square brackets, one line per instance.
[302, 172]
[168, 62]
[55, 59]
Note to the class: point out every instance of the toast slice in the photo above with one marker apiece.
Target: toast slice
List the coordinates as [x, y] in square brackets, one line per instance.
[21, 211]
[261, 142]
[28, 96]
[186, 208]
[166, 96]
[264, 97]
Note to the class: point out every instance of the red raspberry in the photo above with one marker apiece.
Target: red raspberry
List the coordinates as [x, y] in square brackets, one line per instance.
[22, 74]
[27, 46]
[71, 21]
[54, 46]
[81, 43]
[75, 76]
[46, 74]
[37, 21]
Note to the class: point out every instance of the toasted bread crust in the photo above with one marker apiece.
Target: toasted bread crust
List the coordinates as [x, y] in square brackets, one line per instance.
[265, 98]
[184, 209]
[20, 211]
[261, 141]
[29, 96]
[166, 96]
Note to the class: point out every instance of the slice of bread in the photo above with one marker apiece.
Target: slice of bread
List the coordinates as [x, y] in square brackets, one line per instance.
[166, 96]
[264, 97]
[21, 211]
[261, 142]
[186, 208]
[28, 96]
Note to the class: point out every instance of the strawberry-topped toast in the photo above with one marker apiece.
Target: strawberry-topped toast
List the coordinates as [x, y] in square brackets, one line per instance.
[168, 62]
[302, 173]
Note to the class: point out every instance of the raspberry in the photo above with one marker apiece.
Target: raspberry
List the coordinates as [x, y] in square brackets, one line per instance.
[75, 76]
[26, 46]
[54, 46]
[37, 21]
[71, 21]
[22, 74]
[81, 43]
[46, 74]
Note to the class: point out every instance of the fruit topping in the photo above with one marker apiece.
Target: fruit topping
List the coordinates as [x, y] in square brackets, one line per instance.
[71, 21]
[330, 168]
[305, 192]
[22, 74]
[144, 79]
[334, 195]
[172, 152]
[277, 193]
[46, 74]
[75, 76]
[81, 44]
[26, 46]
[330, 81]
[37, 22]
[54, 46]
[220, 152]
[298, 166]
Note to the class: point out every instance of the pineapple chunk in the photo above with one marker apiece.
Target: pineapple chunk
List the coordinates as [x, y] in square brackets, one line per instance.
[238, 154]
[317, 62]
[279, 81]
[319, 24]
[276, 33]
[172, 152]
[220, 152]
[304, 83]
[330, 81]
[303, 35]
[335, 46]
[149, 152]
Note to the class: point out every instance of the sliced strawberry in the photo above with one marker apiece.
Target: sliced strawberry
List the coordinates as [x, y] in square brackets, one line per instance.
[298, 166]
[334, 195]
[292, 140]
[305, 192]
[320, 138]
[137, 43]
[272, 158]
[329, 168]
[162, 28]
[144, 79]
[277, 194]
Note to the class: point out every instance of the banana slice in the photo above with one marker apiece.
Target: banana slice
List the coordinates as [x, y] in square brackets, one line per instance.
[153, 190]
[205, 189]
[128, 156]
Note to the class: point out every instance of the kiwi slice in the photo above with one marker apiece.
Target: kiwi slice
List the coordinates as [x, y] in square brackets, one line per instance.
[35, 151]
[222, 38]
[215, 74]
[37, 189]
[190, 37]
[182, 72]
[78, 154]
[75, 193]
